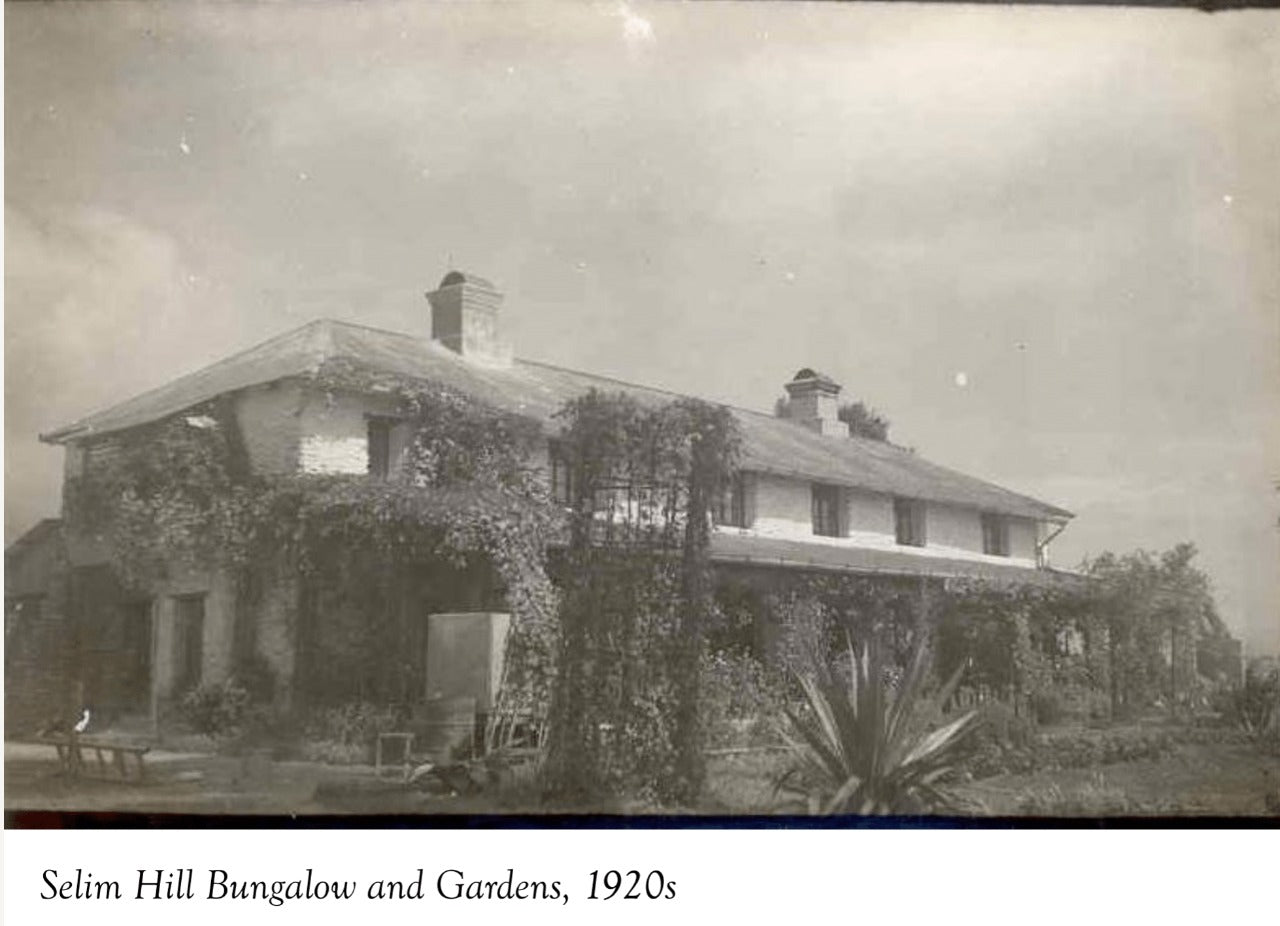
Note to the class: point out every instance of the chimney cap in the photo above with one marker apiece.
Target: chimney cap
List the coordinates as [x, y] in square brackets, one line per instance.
[457, 277]
[807, 380]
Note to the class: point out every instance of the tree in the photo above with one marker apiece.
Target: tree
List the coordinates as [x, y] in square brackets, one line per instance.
[864, 421]
[625, 713]
[1159, 611]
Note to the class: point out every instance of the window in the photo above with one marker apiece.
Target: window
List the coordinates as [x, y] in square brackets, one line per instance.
[188, 641]
[379, 431]
[995, 535]
[826, 510]
[561, 477]
[908, 522]
[731, 509]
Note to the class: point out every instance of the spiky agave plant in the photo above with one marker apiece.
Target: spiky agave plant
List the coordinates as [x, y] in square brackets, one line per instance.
[865, 746]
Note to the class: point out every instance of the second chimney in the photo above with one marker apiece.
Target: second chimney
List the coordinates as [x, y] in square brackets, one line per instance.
[464, 316]
[813, 402]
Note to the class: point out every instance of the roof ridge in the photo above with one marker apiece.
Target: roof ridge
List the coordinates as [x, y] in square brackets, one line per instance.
[757, 412]
[529, 361]
[343, 323]
[630, 385]
[783, 444]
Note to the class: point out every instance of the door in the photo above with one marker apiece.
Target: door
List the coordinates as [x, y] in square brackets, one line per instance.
[188, 642]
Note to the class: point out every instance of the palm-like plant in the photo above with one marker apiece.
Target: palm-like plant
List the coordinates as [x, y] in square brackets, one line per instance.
[865, 746]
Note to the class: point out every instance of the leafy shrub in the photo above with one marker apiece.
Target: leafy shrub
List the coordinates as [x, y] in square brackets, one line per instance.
[1086, 749]
[256, 676]
[1094, 799]
[215, 710]
[864, 746]
[1000, 737]
[346, 734]
[1000, 724]
[1255, 706]
[740, 700]
[1048, 708]
[333, 753]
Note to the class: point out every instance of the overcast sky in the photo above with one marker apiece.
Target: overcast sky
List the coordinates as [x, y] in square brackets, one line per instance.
[1078, 210]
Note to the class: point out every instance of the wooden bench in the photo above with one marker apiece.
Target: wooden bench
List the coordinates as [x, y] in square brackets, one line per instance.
[110, 755]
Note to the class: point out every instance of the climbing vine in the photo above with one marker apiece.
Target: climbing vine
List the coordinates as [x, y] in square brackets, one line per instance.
[614, 651]
[637, 595]
[179, 494]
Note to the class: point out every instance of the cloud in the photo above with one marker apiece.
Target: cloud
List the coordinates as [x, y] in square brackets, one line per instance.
[98, 306]
[892, 193]
[637, 31]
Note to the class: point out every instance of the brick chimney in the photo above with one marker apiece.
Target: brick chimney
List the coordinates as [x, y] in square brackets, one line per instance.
[813, 402]
[464, 316]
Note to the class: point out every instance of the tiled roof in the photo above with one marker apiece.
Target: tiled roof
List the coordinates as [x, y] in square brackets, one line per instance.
[40, 532]
[539, 390]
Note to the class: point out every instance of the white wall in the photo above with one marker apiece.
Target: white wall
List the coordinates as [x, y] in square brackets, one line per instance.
[869, 517]
[1023, 535]
[269, 424]
[953, 529]
[782, 508]
[334, 436]
[287, 427]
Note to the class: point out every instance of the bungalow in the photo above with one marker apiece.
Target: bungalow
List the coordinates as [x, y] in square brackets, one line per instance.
[810, 497]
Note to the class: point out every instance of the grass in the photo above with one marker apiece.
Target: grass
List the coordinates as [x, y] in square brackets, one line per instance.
[1196, 780]
[1209, 778]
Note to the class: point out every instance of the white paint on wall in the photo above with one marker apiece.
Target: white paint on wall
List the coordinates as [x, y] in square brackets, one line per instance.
[868, 517]
[322, 454]
[951, 528]
[783, 510]
[334, 432]
[1023, 534]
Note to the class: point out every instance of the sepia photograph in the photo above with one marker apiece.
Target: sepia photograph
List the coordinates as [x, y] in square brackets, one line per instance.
[768, 413]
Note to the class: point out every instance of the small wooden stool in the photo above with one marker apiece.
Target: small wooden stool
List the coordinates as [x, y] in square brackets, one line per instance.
[406, 750]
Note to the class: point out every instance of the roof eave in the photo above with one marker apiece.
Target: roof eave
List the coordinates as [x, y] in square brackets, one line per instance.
[66, 434]
[1042, 510]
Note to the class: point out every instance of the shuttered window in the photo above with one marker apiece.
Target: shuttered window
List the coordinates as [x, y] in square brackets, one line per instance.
[908, 522]
[995, 535]
[826, 510]
[731, 511]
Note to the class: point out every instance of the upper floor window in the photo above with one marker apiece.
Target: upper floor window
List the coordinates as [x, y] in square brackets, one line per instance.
[731, 508]
[908, 522]
[826, 510]
[995, 535]
[379, 432]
